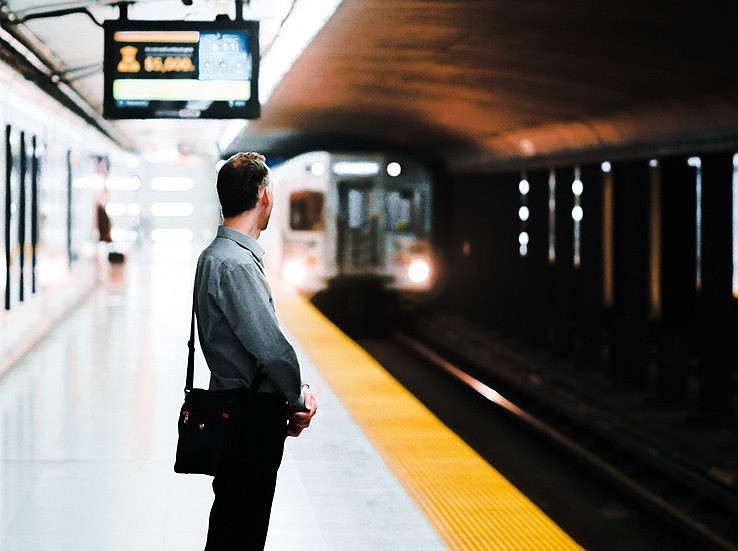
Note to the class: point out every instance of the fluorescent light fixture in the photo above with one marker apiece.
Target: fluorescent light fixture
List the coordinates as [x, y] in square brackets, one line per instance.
[306, 19]
[124, 183]
[93, 181]
[298, 30]
[356, 168]
[163, 154]
[115, 209]
[171, 235]
[123, 235]
[172, 183]
[133, 209]
[172, 209]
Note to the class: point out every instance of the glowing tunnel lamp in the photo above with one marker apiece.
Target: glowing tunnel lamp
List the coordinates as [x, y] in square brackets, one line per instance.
[577, 213]
[524, 187]
[577, 187]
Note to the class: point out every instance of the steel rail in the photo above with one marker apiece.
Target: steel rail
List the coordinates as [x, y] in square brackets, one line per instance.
[695, 526]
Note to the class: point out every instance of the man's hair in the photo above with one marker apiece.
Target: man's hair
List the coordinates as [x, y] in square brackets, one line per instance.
[240, 180]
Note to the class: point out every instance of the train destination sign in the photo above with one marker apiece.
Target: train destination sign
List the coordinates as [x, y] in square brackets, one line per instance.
[181, 69]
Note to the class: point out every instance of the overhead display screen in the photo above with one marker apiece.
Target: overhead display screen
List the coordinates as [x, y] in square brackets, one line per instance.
[181, 69]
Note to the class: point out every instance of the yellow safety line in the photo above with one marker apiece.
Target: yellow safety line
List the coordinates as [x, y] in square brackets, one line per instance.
[469, 504]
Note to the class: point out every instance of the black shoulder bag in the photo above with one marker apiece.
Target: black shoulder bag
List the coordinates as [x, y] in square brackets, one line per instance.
[207, 418]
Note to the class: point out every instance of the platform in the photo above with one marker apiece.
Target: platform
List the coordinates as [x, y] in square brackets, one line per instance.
[88, 430]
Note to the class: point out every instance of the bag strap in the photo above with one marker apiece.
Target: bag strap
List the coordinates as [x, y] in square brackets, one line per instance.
[190, 379]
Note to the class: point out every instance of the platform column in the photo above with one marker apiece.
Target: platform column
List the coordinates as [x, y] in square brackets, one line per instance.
[629, 348]
[676, 331]
[715, 302]
[537, 278]
[588, 276]
[562, 270]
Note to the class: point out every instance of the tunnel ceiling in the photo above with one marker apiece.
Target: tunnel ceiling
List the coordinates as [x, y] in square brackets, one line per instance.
[484, 84]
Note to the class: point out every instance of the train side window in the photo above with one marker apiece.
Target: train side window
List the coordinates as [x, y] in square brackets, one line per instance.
[402, 212]
[307, 210]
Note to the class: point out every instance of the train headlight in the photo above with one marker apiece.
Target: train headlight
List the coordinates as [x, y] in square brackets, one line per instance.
[294, 272]
[418, 271]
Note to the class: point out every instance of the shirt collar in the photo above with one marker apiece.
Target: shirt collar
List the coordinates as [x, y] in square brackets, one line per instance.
[245, 241]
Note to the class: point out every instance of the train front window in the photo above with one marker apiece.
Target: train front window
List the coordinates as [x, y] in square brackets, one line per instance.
[403, 212]
[307, 211]
[357, 209]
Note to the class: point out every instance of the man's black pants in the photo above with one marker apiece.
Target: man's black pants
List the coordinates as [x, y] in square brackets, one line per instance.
[244, 484]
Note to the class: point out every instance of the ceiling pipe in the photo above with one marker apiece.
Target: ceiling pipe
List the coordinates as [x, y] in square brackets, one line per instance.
[13, 20]
[23, 51]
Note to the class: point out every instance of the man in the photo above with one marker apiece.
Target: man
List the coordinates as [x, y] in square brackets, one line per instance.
[240, 337]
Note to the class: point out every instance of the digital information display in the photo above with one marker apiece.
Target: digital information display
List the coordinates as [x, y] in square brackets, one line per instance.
[181, 69]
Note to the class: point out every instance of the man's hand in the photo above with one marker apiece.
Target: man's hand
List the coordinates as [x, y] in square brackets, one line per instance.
[300, 420]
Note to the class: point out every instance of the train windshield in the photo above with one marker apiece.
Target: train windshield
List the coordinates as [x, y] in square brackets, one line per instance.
[404, 212]
[306, 210]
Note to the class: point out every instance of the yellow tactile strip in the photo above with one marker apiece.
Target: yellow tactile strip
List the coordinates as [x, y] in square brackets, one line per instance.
[469, 504]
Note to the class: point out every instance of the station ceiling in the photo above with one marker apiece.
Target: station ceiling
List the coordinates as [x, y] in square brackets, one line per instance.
[486, 84]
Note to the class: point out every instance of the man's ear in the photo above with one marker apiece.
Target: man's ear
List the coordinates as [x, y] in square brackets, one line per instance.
[265, 197]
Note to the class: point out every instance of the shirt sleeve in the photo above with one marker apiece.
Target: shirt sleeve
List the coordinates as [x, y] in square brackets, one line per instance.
[247, 307]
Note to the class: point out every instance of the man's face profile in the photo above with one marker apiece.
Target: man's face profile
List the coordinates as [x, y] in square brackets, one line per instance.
[268, 190]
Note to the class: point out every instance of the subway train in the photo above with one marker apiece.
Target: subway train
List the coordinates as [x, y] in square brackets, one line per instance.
[352, 218]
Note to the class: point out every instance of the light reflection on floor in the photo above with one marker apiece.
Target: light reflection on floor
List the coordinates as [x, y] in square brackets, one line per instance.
[88, 429]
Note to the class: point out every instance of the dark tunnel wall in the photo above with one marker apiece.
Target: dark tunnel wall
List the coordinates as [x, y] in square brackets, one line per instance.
[640, 317]
[483, 248]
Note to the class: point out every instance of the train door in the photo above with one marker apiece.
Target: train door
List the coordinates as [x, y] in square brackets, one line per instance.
[357, 247]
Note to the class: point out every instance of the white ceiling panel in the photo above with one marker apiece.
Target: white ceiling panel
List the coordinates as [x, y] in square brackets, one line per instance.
[74, 43]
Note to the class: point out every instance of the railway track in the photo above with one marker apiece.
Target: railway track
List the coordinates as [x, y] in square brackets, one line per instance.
[701, 508]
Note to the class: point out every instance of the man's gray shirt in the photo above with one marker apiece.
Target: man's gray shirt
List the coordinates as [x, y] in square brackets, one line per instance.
[236, 321]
